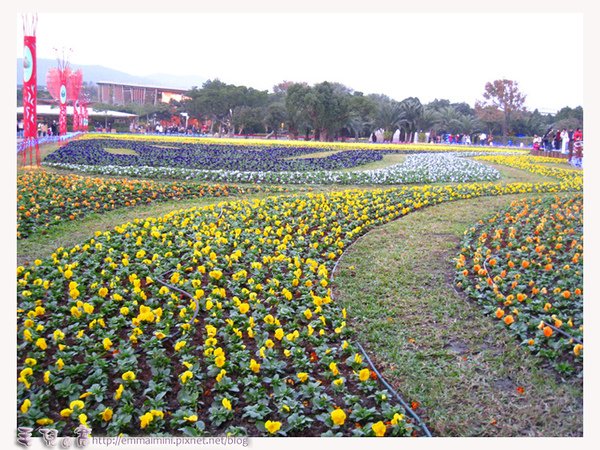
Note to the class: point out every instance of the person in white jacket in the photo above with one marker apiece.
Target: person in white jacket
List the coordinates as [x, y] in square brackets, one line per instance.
[564, 135]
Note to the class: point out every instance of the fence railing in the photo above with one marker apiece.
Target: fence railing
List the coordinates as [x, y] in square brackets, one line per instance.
[26, 143]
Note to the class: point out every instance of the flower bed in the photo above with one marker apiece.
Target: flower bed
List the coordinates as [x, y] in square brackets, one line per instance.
[533, 164]
[212, 320]
[46, 199]
[524, 265]
[316, 146]
[206, 157]
[418, 168]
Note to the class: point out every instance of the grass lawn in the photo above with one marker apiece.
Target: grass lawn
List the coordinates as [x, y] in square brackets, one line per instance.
[45, 150]
[387, 160]
[434, 345]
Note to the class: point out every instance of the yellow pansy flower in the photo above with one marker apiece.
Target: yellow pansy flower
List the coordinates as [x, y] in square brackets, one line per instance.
[272, 426]
[338, 416]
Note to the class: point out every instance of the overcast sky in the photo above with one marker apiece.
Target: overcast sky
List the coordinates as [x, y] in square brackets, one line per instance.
[398, 54]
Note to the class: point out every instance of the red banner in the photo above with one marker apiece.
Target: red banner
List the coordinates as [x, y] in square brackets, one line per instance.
[29, 88]
[30, 100]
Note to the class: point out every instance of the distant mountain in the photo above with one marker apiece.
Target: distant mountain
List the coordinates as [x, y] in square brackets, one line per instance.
[101, 73]
[175, 81]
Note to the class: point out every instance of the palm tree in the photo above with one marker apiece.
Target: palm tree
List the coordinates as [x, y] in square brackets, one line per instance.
[470, 125]
[389, 115]
[356, 124]
[412, 111]
[428, 120]
[449, 119]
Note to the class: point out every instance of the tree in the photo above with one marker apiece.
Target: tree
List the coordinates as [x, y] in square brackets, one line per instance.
[295, 105]
[569, 118]
[449, 120]
[429, 121]
[504, 95]
[282, 88]
[464, 108]
[388, 113]
[246, 118]
[275, 115]
[469, 124]
[217, 101]
[531, 123]
[490, 116]
[411, 112]
[327, 108]
[361, 114]
[436, 104]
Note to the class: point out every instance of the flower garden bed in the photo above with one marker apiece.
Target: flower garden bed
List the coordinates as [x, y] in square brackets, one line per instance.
[45, 199]
[524, 266]
[418, 168]
[247, 158]
[213, 321]
[316, 146]
[282, 162]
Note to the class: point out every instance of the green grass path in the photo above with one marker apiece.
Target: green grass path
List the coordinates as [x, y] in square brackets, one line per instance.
[435, 346]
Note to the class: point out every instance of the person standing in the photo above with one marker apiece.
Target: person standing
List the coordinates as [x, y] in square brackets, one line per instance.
[557, 142]
[564, 138]
[571, 140]
[482, 138]
[536, 142]
[546, 141]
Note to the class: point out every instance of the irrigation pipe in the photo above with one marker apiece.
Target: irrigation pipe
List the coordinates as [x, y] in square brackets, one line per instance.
[405, 405]
[161, 279]
[408, 409]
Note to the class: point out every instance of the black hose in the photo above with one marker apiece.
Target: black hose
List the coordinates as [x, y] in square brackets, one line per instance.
[408, 409]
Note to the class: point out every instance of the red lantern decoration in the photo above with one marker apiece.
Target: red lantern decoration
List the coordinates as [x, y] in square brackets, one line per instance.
[63, 85]
[74, 82]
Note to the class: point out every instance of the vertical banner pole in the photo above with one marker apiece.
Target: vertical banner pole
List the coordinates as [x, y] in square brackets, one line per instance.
[30, 97]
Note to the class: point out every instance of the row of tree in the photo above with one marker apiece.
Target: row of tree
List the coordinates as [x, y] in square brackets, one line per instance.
[329, 111]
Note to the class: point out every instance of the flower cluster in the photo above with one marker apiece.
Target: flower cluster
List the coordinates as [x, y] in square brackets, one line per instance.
[213, 320]
[524, 265]
[418, 168]
[534, 164]
[207, 157]
[315, 146]
[45, 199]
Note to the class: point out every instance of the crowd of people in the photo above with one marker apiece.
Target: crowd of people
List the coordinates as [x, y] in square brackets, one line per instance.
[43, 129]
[566, 142]
[463, 139]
